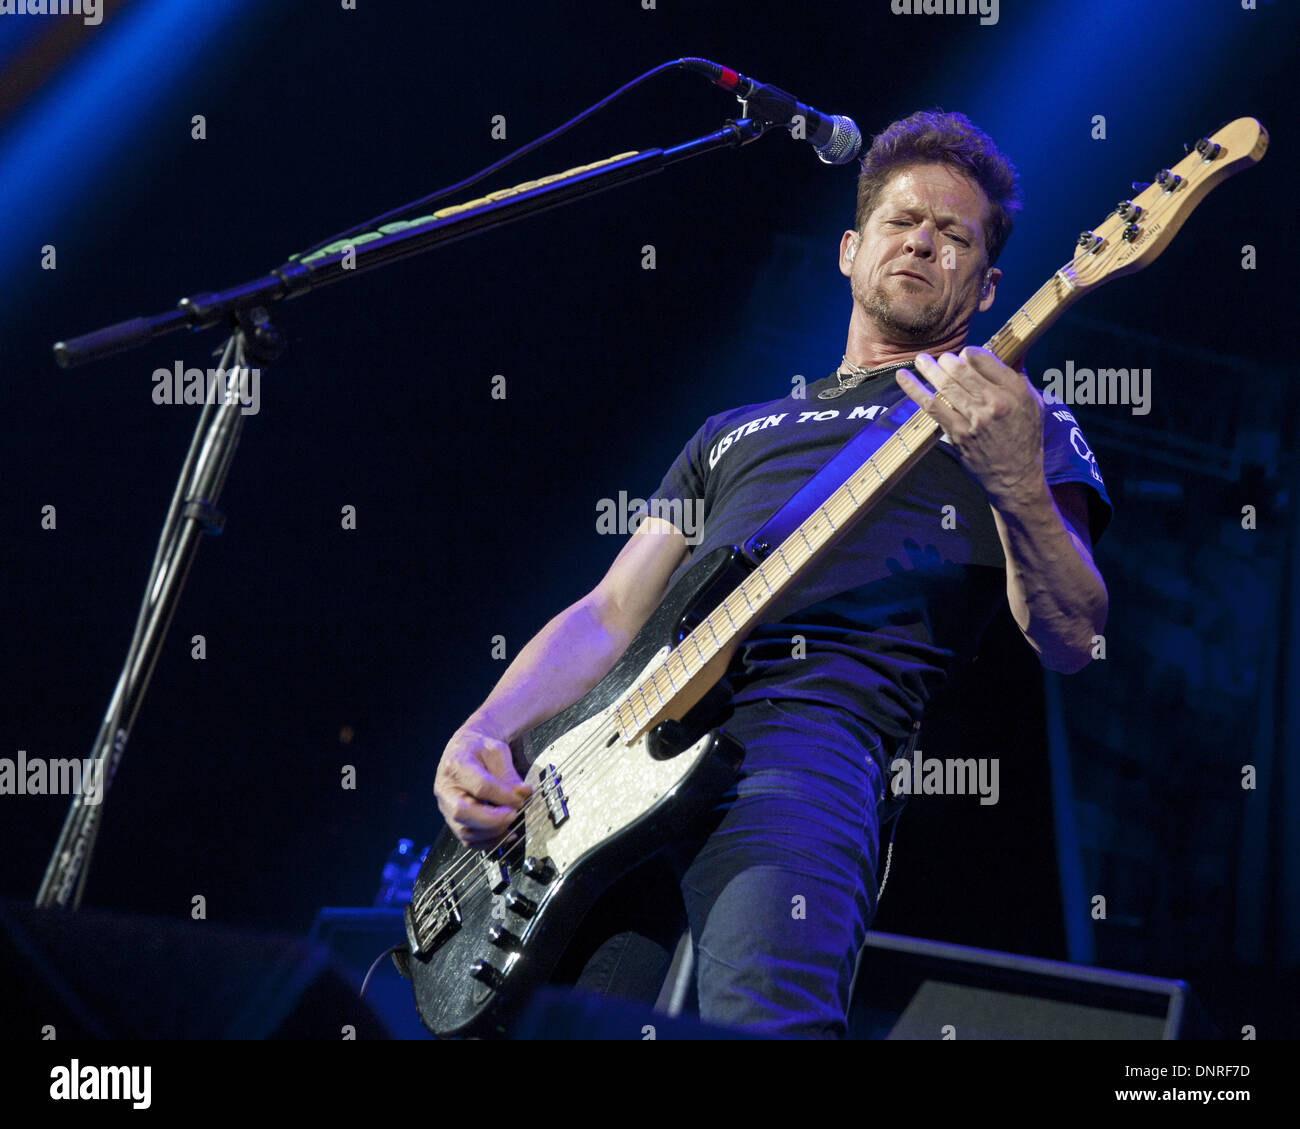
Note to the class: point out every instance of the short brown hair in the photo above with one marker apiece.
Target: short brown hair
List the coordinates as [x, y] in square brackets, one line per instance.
[935, 137]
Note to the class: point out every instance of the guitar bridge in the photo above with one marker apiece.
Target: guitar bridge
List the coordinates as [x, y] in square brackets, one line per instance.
[436, 918]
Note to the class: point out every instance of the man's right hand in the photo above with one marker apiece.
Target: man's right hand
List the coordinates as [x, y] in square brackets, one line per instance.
[477, 788]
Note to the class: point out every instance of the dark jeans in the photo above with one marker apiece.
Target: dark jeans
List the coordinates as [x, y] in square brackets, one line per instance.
[777, 884]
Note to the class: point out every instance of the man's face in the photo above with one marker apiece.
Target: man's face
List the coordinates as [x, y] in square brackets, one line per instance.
[917, 267]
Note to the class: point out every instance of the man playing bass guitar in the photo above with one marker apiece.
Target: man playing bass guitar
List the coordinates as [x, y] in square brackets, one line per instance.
[1006, 507]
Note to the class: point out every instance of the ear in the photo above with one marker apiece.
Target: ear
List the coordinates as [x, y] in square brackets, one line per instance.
[848, 248]
[987, 294]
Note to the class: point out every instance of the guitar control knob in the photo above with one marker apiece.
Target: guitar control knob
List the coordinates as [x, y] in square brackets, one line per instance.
[517, 903]
[504, 939]
[483, 972]
[539, 870]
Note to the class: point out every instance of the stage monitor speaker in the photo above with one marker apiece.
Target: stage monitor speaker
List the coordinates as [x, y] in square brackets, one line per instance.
[914, 989]
[89, 974]
[556, 1012]
[356, 936]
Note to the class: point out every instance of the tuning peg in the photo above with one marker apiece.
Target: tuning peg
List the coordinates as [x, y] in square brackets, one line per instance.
[1139, 186]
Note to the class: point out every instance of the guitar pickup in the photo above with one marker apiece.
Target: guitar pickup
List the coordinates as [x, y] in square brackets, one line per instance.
[557, 806]
[432, 916]
[498, 873]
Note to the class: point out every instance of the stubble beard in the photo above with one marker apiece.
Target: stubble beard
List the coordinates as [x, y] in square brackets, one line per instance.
[918, 325]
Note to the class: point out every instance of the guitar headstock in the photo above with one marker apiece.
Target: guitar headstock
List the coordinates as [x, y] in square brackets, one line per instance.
[1132, 236]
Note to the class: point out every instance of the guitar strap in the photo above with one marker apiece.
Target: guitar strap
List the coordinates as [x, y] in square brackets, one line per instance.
[808, 498]
[826, 481]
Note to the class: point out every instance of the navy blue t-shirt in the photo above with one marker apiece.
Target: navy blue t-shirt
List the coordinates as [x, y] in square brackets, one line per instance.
[906, 594]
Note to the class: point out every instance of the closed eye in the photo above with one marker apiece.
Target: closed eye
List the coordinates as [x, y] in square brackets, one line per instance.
[908, 223]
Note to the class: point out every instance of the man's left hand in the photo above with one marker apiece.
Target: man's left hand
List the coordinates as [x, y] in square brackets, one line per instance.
[991, 413]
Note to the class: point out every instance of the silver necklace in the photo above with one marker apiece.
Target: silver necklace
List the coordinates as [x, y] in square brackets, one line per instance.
[857, 374]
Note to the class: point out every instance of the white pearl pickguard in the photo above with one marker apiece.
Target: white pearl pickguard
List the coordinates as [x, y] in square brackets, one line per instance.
[605, 789]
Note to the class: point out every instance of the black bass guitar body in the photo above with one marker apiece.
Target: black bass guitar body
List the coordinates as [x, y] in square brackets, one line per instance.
[484, 929]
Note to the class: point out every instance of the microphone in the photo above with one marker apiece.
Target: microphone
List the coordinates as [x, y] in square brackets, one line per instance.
[836, 138]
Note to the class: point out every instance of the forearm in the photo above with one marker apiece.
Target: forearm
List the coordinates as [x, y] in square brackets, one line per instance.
[1056, 594]
[558, 665]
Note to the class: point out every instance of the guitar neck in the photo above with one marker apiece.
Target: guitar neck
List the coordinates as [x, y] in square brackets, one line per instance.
[679, 675]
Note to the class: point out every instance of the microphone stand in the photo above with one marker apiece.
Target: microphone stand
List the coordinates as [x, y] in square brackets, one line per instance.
[254, 339]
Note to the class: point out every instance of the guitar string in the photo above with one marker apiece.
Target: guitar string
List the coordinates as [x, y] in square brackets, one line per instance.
[1042, 301]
